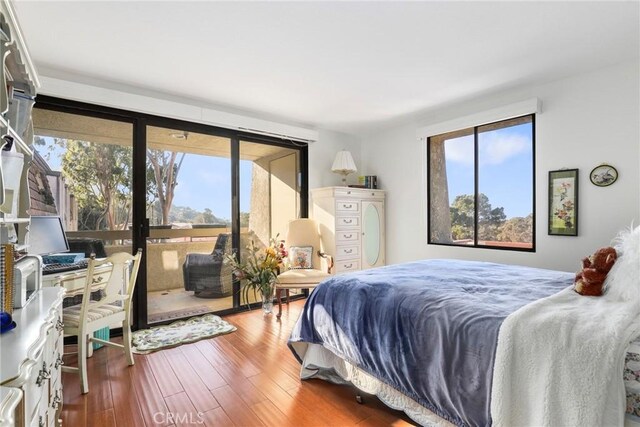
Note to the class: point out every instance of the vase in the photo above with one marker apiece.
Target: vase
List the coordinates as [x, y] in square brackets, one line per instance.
[267, 299]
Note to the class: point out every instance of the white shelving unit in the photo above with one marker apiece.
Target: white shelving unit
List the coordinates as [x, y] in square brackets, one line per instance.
[31, 354]
[18, 82]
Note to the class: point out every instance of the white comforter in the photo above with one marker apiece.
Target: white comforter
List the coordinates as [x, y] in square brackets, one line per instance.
[559, 364]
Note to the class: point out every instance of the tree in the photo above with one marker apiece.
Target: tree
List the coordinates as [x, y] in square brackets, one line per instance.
[100, 177]
[462, 218]
[517, 229]
[208, 217]
[165, 173]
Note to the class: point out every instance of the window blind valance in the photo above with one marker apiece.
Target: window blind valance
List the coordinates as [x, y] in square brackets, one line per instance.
[529, 106]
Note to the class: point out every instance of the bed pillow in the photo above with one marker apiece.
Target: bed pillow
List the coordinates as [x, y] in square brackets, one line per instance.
[622, 281]
[300, 257]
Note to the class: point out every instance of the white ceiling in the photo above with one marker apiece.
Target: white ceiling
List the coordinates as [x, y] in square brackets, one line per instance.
[336, 65]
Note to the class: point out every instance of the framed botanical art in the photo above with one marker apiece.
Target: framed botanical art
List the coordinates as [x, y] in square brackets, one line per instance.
[563, 202]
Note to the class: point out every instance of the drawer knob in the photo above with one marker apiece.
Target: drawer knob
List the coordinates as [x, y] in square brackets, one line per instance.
[59, 362]
[40, 421]
[347, 236]
[349, 206]
[348, 221]
[348, 266]
[348, 251]
[59, 325]
[43, 374]
[97, 279]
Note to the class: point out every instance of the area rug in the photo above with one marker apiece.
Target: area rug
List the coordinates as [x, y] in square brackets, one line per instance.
[181, 332]
[178, 314]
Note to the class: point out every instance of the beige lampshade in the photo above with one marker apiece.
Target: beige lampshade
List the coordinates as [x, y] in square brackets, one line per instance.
[344, 165]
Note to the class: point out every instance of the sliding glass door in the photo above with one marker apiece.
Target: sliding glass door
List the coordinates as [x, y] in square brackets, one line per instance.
[269, 195]
[188, 205]
[187, 194]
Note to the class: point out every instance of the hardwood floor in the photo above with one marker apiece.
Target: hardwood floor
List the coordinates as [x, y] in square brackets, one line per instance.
[247, 378]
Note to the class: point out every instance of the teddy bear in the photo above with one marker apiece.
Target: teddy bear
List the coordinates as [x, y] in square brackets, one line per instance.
[590, 280]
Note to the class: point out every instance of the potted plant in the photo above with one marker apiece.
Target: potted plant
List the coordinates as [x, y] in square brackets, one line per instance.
[259, 272]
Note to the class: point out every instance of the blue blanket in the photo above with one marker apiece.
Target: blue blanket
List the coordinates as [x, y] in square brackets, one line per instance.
[428, 329]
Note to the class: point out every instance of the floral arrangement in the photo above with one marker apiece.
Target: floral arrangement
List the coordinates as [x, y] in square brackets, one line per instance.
[260, 270]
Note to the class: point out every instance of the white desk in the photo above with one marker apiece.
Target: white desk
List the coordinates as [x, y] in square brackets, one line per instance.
[74, 281]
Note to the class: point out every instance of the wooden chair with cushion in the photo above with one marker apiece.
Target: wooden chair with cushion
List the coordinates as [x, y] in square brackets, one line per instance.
[304, 233]
[114, 307]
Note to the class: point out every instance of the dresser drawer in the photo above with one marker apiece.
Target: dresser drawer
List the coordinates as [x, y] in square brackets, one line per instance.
[347, 236]
[361, 193]
[343, 222]
[36, 391]
[74, 283]
[346, 252]
[346, 266]
[347, 206]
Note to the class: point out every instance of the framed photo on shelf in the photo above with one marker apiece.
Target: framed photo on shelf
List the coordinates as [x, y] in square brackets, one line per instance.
[563, 202]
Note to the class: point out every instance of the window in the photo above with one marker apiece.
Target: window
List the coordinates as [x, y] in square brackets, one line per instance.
[482, 187]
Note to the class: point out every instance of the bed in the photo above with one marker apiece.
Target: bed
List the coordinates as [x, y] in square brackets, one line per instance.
[468, 343]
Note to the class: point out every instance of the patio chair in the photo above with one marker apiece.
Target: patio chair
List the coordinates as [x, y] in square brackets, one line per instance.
[206, 274]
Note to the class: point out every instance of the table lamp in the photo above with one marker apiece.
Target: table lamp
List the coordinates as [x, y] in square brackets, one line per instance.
[344, 165]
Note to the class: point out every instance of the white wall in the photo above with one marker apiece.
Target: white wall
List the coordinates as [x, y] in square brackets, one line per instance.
[586, 120]
[323, 152]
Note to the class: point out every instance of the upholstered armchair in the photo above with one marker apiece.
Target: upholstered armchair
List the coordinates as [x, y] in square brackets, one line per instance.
[304, 233]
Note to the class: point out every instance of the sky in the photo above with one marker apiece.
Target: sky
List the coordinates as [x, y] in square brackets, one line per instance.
[203, 181]
[505, 172]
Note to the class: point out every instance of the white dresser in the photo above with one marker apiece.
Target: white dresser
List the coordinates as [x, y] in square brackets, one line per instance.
[352, 226]
[31, 363]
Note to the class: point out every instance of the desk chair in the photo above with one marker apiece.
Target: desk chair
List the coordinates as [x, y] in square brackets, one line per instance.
[84, 319]
[304, 232]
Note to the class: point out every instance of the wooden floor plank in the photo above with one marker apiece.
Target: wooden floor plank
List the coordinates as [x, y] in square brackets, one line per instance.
[238, 411]
[99, 397]
[248, 378]
[216, 418]
[294, 409]
[74, 404]
[236, 357]
[104, 418]
[207, 373]
[240, 384]
[323, 406]
[214, 355]
[125, 402]
[181, 411]
[191, 382]
[165, 377]
[271, 415]
[148, 393]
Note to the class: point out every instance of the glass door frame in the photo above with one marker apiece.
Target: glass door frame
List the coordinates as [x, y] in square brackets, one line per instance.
[140, 225]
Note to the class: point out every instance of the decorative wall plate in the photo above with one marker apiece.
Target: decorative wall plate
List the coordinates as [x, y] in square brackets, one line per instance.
[603, 175]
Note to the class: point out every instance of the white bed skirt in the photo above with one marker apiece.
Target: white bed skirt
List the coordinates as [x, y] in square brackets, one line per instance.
[318, 362]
